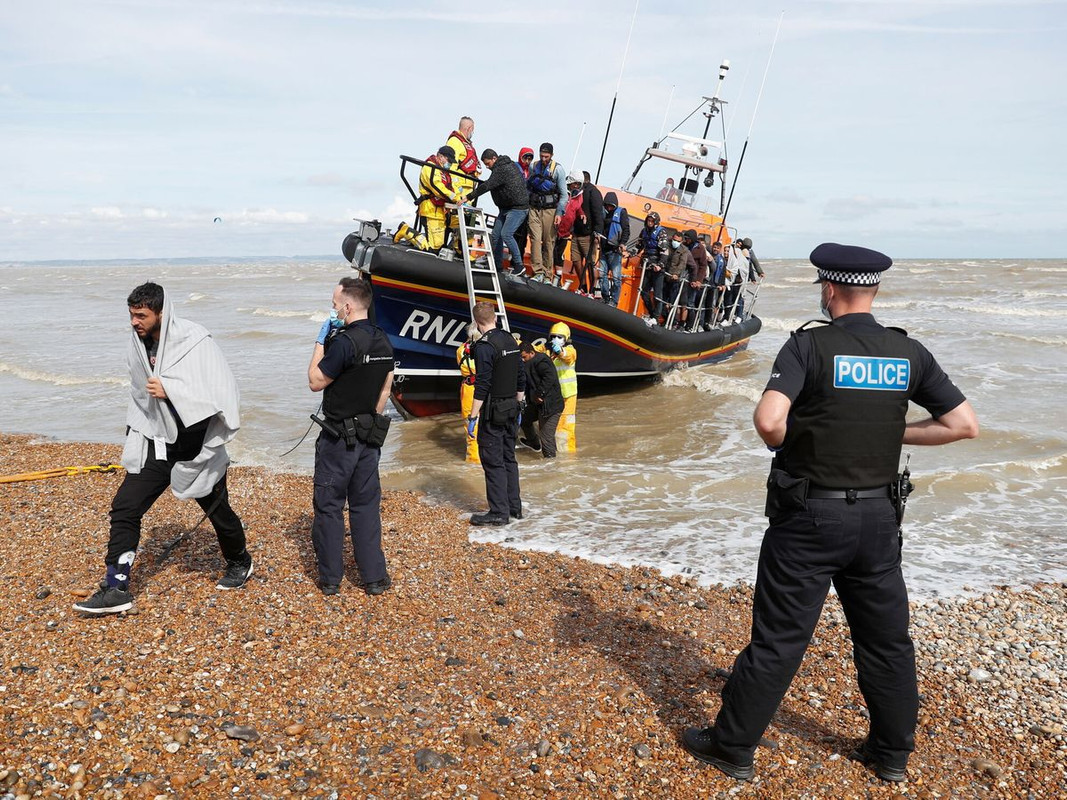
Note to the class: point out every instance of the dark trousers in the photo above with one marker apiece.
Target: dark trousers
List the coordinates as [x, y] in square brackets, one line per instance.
[652, 292]
[541, 428]
[496, 448]
[856, 547]
[137, 494]
[522, 234]
[347, 474]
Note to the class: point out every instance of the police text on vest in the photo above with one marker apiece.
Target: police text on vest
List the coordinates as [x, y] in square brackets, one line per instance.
[865, 372]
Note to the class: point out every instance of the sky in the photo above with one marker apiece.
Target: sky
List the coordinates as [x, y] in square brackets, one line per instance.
[923, 128]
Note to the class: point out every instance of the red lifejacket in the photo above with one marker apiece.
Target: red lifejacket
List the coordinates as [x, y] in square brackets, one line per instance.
[469, 163]
[446, 179]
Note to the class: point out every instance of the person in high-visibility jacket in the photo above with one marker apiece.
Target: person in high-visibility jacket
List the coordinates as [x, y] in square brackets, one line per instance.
[564, 356]
[435, 189]
[466, 159]
[465, 359]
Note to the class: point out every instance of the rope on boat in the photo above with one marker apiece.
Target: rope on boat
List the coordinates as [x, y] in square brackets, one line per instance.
[59, 472]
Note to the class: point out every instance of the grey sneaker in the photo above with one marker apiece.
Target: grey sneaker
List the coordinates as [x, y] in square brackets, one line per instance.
[106, 600]
[235, 576]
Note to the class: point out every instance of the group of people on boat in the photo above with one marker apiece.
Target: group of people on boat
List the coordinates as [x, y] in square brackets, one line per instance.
[687, 282]
[690, 284]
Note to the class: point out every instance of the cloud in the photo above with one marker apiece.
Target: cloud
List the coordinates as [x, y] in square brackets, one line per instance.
[786, 196]
[107, 212]
[862, 206]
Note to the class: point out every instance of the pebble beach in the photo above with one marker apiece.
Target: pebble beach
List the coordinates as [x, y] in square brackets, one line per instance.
[485, 672]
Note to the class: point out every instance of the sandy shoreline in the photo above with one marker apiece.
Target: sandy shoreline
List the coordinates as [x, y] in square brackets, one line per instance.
[484, 672]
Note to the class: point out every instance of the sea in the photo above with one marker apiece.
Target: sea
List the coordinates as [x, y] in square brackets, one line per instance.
[670, 475]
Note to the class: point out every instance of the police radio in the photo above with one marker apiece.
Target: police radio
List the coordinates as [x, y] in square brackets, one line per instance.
[900, 489]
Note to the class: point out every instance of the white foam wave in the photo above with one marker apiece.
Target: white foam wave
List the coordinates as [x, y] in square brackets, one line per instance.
[196, 296]
[314, 316]
[915, 271]
[1005, 310]
[714, 384]
[1055, 340]
[1034, 294]
[775, 324]
[56, 379]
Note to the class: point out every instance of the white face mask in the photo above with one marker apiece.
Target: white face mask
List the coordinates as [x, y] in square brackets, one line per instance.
[675, 243]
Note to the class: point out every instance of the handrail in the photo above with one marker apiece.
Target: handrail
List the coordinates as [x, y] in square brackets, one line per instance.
[405, 160]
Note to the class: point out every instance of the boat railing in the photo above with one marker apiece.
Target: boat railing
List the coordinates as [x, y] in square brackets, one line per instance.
[490, 219]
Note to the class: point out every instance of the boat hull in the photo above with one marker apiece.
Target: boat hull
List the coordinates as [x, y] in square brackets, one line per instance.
[421, 302]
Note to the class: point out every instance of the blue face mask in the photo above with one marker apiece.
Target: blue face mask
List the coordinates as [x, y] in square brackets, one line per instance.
[335, 321]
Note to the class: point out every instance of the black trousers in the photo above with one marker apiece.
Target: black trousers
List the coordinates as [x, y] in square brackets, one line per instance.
[347, 474]
[137, 494]
[856, 547]
[539, 427]
[652, 292]
[496, 448]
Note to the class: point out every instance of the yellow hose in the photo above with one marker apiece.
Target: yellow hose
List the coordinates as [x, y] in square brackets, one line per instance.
[59, 472]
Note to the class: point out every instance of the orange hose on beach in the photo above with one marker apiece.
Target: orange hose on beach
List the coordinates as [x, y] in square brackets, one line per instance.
[59, 472]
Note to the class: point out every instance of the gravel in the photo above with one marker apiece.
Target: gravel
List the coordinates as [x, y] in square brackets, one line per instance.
[404, 694]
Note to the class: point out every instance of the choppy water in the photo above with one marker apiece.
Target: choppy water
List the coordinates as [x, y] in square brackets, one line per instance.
[670, 475]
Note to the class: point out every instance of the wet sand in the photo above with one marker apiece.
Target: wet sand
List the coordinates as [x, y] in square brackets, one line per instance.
[484, 672]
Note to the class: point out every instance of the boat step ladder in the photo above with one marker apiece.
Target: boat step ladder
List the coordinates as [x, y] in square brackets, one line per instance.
[483, 280]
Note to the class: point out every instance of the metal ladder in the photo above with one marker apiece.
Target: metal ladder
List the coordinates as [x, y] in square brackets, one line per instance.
[483, 281]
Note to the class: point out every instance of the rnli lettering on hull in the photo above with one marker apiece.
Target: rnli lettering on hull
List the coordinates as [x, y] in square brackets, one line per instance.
[435, 328]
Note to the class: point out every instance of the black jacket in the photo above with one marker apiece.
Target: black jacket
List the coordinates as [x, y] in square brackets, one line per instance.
[593, 208]
[542, 385]
[610, 243]
[506, 185]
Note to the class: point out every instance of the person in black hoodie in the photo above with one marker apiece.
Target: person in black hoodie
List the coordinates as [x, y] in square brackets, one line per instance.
[545, 401]
[585, 238]
[613, 248]
[512, 199]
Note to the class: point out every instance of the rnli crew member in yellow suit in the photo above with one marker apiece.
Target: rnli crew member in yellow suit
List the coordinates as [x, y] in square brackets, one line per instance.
[466, 159]
[435, 189]
[564, 358]
[465, 359]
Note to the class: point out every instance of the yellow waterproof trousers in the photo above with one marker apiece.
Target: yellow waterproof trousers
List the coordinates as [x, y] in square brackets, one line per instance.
[466, 400]
[566, 438]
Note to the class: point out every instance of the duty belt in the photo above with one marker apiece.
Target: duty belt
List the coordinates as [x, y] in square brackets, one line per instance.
[851, 495]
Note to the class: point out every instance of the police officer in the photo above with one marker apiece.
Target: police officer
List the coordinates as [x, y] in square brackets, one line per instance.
[352, 364]
[834, 413]
[499, 392]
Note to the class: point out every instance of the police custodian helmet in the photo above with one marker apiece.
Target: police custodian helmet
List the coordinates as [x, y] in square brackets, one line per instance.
[849, 264]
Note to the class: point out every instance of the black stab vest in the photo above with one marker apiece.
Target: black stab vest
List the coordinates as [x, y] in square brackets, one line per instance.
[357, 389]
[850, 438]
[506, 364]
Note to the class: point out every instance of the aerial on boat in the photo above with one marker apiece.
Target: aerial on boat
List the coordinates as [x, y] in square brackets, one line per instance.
[423, 298]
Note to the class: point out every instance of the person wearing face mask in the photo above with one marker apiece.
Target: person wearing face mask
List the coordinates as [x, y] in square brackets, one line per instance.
[695, 283]
[680, 265]
[436, 187]
[834, 412]
[565, 358]
[183, 409]
[352, 365]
